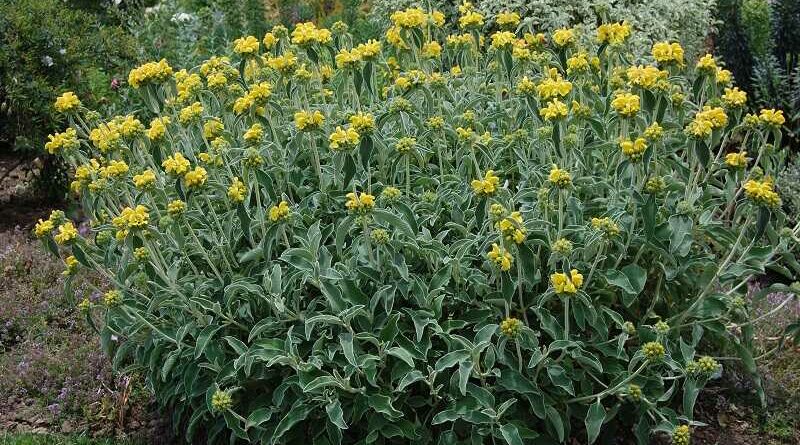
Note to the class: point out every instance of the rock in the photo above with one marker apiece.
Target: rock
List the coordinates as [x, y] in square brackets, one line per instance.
[67, 428]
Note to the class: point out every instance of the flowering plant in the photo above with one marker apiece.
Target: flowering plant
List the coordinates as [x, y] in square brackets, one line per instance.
[513, 237]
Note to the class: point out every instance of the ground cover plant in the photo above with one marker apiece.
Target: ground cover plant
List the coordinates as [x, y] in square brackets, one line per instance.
[493, 235]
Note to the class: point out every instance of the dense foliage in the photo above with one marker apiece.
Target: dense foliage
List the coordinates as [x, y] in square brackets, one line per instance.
[430, 238]
[687, 22]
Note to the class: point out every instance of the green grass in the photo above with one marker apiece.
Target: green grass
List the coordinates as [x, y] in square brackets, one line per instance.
[46, 439]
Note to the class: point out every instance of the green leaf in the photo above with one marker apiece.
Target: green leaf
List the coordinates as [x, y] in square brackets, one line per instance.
[204, 338]
[402, 354]
[450, 359]
[631, 279]
[346, 340]
[383, 405]
[386, 217]
[761, 223]
[594, 420]
[257, 417]
[335, 414]
[349, 169]
[690, 393]
[511, 434]
[297, 413]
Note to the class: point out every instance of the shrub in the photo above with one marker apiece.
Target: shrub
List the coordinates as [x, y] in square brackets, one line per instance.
[40, 56]
[510, 235]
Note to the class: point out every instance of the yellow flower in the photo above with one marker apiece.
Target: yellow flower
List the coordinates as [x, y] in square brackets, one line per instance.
[246, 45]
[566, 284]
[158, 128]
[213, 128]
[395, 38]
[578, 63]
[279, 212]
[563, 37]
[151, 72]
[409, 18]
[634, 150]
[405, 144]
[667, 53]
[307, 33]
[707, 120]
[762, 192]
[308, 120]
[605, 225]
[360, 202]
[645, 76]
[511, 227]
[106, 137]
[284, 63]
[43, 228]
[176, 164]
[653, 351]
[196, 177]
[437, 18]
[653, 132]
[343, 139]
[68, 140]
[723, 76]
[500, 257]
[771, 117]
[613, 33]
[503, 39]
[187, 85]
[369, 50]
[526, 86]
[736, 160]
[237, 190]
[470, 20]
[559, 177]
[431, 50]
[132, 218]
[66, 233]
[510, 327]
[176, 207]
[626, 104]
[67, 102]
[734, 97]
[507, 20]
[363, 123]
[553, 86]
[486, 186]
[190, 113]
[144, 179]
[269, 41]
[707, 64]
[347, 59]
[554, 110]
[254, 134]
[114, 169]
[71, 264]
[112, 298]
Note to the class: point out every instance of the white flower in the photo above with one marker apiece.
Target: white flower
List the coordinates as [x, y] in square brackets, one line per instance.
[47, 60]
[182, 17]
[62, 51]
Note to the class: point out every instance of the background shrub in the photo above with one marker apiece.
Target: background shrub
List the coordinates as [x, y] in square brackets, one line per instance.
[45, 47]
